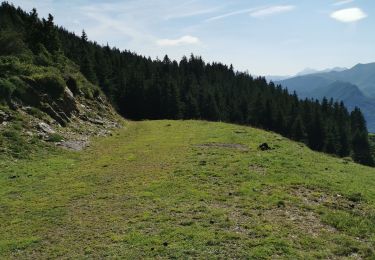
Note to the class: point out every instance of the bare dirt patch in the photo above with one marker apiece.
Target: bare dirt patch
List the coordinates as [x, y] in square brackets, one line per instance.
[240, 147]
[298, 219]
[257, 168]
[315, 197]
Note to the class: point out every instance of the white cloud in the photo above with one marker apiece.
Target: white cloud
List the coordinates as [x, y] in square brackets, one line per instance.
[349, 15]
[184, 40]
[222, 16]
[277, 9]
[343, 2]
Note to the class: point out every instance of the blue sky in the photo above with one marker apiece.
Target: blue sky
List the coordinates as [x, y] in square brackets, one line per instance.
[275, 37]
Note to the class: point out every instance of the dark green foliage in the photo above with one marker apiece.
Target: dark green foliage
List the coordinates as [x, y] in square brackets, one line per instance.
[55, 138]
[142, 88]
[11, 43]
[298, 130]
[52, 84]
[87, 68]
[6, 90]
[72, 85]
[361, 149]
[360, 142]
[50, 37]
[17, 145]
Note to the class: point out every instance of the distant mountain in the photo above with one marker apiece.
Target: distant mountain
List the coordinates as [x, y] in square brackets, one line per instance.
[309, 71]
[355, 86]
[276, 78]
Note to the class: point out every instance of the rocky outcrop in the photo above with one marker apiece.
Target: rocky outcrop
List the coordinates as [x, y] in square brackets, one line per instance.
[4, 116]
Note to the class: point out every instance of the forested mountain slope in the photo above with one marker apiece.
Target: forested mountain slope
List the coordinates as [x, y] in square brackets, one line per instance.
[340, 86]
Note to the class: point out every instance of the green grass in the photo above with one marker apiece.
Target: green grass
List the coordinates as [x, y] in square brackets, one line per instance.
[185, 189]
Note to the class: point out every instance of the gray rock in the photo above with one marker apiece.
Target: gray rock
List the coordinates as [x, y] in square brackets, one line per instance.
[69, 93]
[46, 128]
[75, 145]
[4, 116]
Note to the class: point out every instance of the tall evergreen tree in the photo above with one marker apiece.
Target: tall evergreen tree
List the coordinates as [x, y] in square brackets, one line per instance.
[86, 62]
[50, 36]
[361, 149]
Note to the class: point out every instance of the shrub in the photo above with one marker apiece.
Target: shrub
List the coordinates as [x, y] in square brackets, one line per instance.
[54, 138]
[52, 84]
[43, 57]
[355, 197]
[11, 43]
[6, 90]
[35, 112]
[72, 85]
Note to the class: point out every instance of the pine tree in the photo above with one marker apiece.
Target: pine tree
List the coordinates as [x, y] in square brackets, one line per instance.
[34, 37]
[192, 107]
[86, 66]
[50, 37]
[298, 130]
[330, 143]
[361, 149]
[316, 134]
[360, 143]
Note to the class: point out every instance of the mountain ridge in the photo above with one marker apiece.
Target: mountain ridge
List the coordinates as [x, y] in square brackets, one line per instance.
[317, 85]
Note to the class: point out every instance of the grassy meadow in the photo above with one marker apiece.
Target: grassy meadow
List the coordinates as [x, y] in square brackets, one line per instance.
[186, 189]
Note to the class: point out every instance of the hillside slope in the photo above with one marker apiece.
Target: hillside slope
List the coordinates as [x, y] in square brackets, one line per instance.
[187, 189]
[45, 99]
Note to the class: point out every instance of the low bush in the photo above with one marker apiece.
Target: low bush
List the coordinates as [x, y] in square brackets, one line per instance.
[52, 84]
[54, 138]
[11, 43]
[6, 90]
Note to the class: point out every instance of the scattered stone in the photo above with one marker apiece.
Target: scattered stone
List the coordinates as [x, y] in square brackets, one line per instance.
[77, 145]
[264, 147]
[46, 128]
[96, 121]
[4, 116]
[69, 93]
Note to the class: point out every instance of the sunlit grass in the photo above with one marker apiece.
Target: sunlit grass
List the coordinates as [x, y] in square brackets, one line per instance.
[187, 189]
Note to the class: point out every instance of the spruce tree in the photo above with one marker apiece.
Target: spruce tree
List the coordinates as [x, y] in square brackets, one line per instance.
[361, 149]
[298, 130]
[50, 36]
[86, 66]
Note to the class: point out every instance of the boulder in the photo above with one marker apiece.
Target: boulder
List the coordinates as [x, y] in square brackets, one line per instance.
[264, 147]
[4, 116]
[46, 128]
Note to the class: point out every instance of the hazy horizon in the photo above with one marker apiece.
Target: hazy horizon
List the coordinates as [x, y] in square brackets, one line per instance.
[263, 37]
